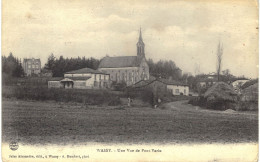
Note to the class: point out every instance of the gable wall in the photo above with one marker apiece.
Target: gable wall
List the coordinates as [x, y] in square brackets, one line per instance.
[130, 75]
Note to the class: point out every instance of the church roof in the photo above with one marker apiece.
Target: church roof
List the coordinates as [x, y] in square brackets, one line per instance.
[85, 71]
[121, 61]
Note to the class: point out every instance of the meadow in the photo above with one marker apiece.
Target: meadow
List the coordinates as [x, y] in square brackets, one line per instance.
[52, 122]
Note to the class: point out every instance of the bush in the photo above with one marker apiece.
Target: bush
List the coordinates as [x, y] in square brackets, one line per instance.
[221, 105]
[145, 94]
[86, 96]
[198, 101]
[247, 105]
[118, 86]
[114, 102]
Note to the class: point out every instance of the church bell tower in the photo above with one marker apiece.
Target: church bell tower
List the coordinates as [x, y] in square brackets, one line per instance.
[140, 46]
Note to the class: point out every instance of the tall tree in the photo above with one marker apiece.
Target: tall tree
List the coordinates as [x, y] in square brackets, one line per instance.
[50, 63]
[219, 59]
[11, 66]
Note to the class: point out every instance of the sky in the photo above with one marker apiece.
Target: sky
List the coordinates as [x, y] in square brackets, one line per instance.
[186, 32]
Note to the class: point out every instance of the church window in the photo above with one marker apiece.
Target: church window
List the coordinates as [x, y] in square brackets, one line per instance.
[95, 77]
[95, 84]
[123, 76]
[130, 76]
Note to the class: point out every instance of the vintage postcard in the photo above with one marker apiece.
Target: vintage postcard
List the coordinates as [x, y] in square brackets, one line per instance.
[132, 80]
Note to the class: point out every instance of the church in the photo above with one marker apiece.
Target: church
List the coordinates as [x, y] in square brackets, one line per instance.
[128, 69]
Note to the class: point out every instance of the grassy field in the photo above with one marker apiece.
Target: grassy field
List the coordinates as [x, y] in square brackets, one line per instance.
[46, 122]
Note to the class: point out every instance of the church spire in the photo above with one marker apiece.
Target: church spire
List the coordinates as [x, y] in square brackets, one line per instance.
[140, 35]
[140, 45]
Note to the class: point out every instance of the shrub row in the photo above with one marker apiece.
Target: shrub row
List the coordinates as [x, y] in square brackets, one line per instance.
[92, 97]
[223, 105]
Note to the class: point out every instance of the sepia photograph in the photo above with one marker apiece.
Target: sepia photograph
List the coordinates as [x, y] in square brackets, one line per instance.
[96, 80]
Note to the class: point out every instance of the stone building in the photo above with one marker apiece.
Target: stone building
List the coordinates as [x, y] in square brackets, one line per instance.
[128, 69]
[31, 66]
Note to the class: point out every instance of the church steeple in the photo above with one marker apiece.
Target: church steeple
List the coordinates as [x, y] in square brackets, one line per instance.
[140, 45]
[140, 36]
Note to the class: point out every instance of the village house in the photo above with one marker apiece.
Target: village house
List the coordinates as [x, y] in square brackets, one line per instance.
[238, 84]
[207, 80]
[128, 69]
[85, 78]
[176, 88]
[163, 86]
[31, 66]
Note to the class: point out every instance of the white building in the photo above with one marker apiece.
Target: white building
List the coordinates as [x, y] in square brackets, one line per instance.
[176, 88]
[85, 78]
[238, 84]
[164, 85]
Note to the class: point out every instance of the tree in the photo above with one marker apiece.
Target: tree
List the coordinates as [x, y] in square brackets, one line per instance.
[165, 69]
[11, 66]
[60, 65]
[50, 63]
[219, 59]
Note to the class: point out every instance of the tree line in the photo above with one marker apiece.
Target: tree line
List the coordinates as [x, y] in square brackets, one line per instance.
[12, 66]
[58, 66]
[164, 69]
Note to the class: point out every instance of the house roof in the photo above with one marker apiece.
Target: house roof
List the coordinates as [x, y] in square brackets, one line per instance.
[240, 81]
[172, 82]
[249, 83]
[143, 83]
[85, 71]
[121, 61]
[66, 80]
[78, 78]
[140, 83]
[25, 59]
[207, 80]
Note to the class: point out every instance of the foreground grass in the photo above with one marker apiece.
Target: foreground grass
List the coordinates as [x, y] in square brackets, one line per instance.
[37, 122]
